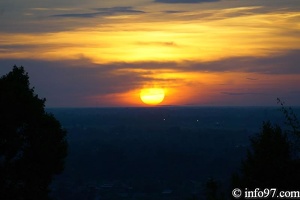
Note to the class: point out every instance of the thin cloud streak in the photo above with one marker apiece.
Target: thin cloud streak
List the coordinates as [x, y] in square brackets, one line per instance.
[241, 93]
[101, 12]
[185, 1]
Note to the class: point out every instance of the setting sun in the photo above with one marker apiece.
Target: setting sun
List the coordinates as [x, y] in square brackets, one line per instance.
[152, 96]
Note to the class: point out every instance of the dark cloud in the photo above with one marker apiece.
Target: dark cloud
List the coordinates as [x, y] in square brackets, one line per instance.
[184, 1]
[45, 21]
[283, 63]
[251, 79]
[173, 11]
[241, 93]
[70, 82]
[86, 76]
[79, 15]
[9, 48]
[101, 12]
[41, 25]
[125, 9]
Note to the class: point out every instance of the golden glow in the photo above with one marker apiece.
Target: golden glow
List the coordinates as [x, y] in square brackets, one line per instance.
[208, 89]
[152, 96]
[145, 39]
[200, 34]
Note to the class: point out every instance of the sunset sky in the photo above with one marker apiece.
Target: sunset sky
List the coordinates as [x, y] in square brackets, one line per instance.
[201, 52]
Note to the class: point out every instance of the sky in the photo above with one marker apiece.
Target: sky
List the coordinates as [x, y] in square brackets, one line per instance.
[201, 52]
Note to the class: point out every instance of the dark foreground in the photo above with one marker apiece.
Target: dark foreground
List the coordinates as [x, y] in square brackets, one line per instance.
[154, 153]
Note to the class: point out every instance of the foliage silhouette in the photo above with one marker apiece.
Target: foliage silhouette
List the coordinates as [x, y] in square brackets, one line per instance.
[266, 165]
[270, 162]
[273, 160]
[290, 117]
[32, 142]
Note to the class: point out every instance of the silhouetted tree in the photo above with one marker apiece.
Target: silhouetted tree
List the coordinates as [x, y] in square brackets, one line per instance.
[269, 162]
[273, 160]
[293, 128]
[290, 118]
[32, 142]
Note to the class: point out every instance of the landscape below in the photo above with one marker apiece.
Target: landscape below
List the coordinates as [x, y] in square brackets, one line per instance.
[154, 153]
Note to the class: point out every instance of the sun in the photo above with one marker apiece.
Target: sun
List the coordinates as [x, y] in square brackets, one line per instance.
[152, 96]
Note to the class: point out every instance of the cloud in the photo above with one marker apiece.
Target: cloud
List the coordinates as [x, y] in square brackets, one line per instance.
[241, 93]
[101, 12]
[174, 11]
[56, 19]
[280, 63]
[71, 82]
[168, 44]
[251, 79]
[78, 15]
[119, 9]
[89, 78]
[185, 1]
